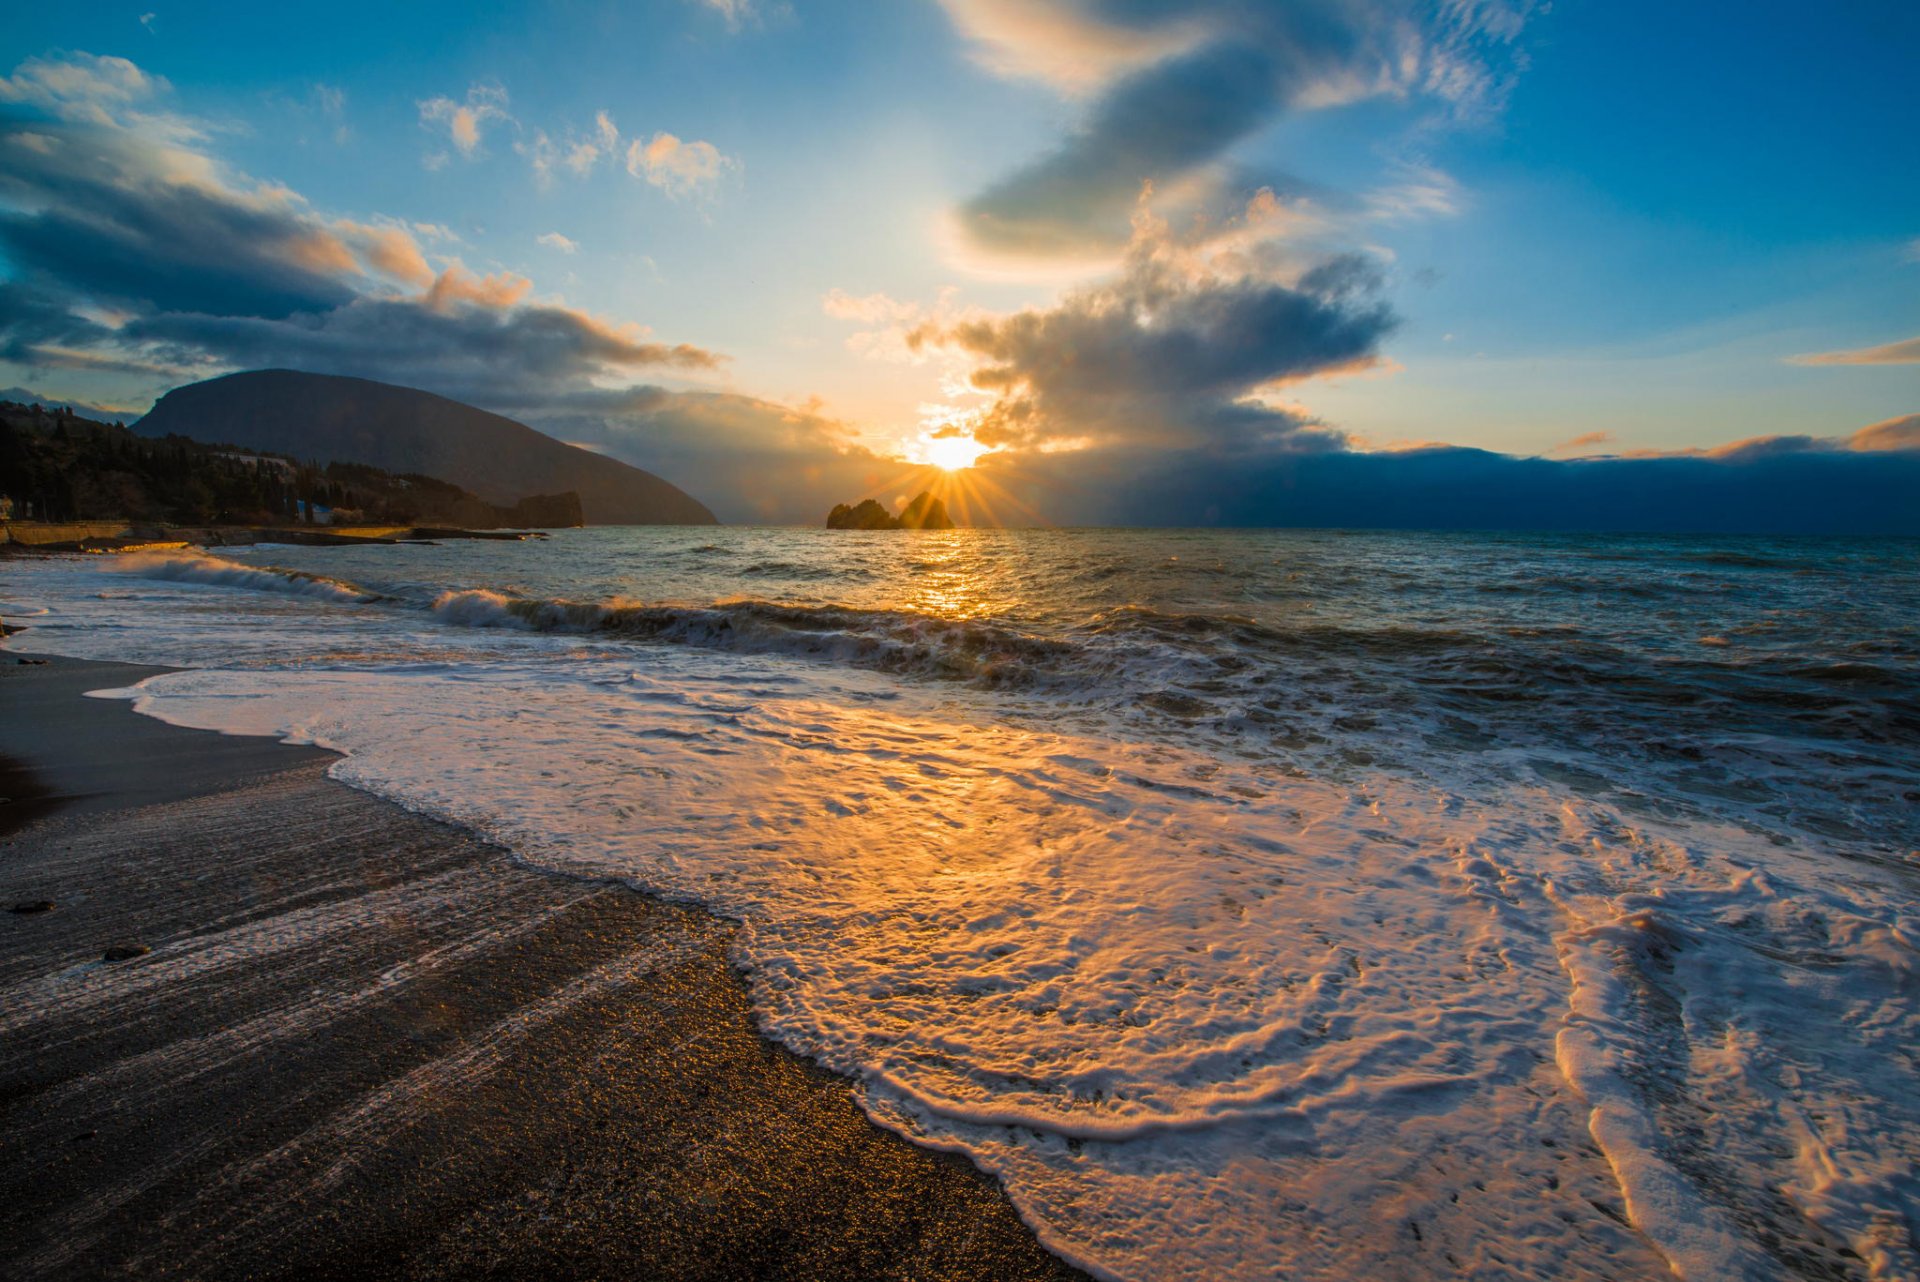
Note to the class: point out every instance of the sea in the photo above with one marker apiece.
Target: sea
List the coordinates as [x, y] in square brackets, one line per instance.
[1264, 904]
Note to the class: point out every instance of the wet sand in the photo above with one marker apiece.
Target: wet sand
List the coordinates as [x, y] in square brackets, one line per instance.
[366, 1044]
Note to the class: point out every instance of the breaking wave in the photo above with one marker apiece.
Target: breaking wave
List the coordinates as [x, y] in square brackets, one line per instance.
[200, 567]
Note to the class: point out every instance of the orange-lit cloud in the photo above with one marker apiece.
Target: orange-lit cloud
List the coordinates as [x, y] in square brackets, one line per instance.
[387, 249]
[1905, 352]
[465, 121]
[458, 285]
[1584, 441]
[1061, 43]
[138, 252]
[1175, 86]
[1893, 434]
[681, 169]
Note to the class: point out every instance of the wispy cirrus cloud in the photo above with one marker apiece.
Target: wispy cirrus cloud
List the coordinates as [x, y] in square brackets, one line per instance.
[741, 14]
[1905, 352]
[554, 240]
[1172, 87]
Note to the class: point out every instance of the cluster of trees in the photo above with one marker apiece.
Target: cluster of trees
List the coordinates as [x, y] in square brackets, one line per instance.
[58, 466]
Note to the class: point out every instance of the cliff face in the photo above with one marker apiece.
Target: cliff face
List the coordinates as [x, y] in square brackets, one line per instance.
[925, 512]
[403, 430]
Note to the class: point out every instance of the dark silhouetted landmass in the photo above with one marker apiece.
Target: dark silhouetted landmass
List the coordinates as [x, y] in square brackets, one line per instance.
[57, 466]
[925, 512]
[866, 515]
[404, 430]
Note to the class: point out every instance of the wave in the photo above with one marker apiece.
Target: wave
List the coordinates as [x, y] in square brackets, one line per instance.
[889, 641]
[198, 567]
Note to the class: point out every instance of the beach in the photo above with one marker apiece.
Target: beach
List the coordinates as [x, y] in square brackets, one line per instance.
[1243, 904]
[364, 1043]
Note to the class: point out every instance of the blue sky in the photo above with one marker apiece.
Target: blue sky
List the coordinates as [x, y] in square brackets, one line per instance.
[1613, 223]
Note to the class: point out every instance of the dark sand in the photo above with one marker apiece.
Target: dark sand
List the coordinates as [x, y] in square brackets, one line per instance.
[365, 1044]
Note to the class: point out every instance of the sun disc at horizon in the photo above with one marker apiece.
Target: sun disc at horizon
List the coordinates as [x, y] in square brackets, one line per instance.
[950, 453]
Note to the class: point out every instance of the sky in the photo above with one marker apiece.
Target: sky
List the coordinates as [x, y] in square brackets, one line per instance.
[779, 251]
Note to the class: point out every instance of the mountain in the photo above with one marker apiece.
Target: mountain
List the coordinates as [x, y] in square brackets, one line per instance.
[403, 430]
[56, 465]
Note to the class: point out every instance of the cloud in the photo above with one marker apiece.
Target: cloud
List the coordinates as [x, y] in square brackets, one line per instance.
[111, 215]
[1181, 349]
[1810, 491]
[681, 169]
[748, 459]
[1584, 441]
[1065, 45]
[80, 86]
[1892, 434]
[554, 240]
[1906, 352]
[578, 153]
[456, 285]
[1177, 84]
[387, 248]
[133, 254]
[466, 120]
[739, 14]
[27, 396]
[146, 20]
[472, 344]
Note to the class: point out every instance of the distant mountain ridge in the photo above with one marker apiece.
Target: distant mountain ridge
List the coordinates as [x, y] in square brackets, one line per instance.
[404, 430]
[59, 466]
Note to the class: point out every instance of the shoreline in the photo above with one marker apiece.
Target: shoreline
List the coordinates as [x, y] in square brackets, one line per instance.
[42, 538]
[366, 1043]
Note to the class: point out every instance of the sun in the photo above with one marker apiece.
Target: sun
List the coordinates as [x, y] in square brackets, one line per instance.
[951, 453]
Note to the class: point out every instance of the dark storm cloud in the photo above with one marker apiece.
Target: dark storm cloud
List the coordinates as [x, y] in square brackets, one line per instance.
[98, 212]
[31, 321]
[469, 351]
[1169, 354]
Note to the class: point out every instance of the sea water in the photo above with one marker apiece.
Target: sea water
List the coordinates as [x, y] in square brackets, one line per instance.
[1252, 904]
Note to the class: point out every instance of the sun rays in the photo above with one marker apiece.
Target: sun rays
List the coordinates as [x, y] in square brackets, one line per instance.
[973, 498]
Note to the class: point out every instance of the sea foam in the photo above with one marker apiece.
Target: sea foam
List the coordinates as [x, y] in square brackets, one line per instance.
[1423, 999]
